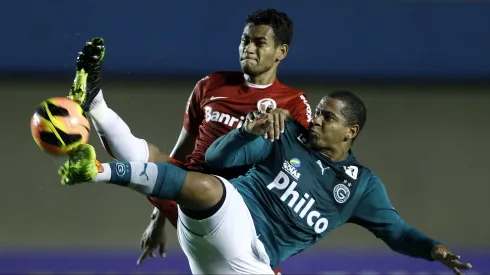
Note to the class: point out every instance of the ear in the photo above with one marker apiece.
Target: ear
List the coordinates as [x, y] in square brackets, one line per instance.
[281, 52]
[353, 131]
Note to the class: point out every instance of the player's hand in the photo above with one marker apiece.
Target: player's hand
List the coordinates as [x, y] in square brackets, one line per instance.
[270, 124]
[87, 81]
[81, 167]
[153, 238]
[446, 257]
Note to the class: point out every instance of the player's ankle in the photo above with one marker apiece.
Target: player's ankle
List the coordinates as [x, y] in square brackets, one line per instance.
[104, 174]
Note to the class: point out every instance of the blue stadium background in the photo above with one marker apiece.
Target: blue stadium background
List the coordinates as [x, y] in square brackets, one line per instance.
[423, 68]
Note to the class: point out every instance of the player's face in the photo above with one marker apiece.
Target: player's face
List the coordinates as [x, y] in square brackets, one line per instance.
[329, 127]
[257, 50]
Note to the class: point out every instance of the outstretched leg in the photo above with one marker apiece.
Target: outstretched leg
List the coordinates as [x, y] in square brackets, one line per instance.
[195, 191]
[224, 242]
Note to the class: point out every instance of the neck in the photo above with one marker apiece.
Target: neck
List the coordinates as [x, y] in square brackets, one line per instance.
[335, 154]
[262, 79]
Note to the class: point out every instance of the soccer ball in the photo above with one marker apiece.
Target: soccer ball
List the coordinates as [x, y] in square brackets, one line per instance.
[59, 125]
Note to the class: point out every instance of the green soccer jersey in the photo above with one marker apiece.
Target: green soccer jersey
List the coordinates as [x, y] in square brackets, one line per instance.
[297, 196]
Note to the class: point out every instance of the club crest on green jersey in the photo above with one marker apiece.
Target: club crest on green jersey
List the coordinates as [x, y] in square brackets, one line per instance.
[341, 193]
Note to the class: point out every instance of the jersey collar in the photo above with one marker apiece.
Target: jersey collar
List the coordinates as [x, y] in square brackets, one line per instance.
[257, 86]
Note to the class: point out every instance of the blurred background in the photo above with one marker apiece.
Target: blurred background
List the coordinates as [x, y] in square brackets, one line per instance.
[422, 67]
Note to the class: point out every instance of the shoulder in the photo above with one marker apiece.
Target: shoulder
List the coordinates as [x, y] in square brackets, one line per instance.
[370, 180]
[371, 177]
[217, 80]
[222, 78]
[297, 101]
[295, 130]
[293, 126]
[292, 93]
[299, 98]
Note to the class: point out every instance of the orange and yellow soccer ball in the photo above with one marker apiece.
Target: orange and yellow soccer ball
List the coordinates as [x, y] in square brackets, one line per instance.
[59, 125]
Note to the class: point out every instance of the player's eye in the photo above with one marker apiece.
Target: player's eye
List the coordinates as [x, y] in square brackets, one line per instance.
[326, 115]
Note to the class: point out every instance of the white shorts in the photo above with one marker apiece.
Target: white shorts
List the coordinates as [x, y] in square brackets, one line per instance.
[225, 243]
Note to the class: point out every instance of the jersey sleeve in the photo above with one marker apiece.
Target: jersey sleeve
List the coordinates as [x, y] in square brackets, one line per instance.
[300, 109]
[237, 148]
[193, 111]
[376, 213]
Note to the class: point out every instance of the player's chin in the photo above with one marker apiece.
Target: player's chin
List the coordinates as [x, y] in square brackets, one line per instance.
[249, 68]
[314, 142]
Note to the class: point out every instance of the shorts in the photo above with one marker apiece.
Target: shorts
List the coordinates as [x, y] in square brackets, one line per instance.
[225, 243]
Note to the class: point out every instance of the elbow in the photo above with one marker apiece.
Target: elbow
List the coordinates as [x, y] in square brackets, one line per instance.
[394, 235]
[411, 243]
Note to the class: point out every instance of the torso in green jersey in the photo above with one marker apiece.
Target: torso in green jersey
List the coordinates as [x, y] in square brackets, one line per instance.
[296, 195]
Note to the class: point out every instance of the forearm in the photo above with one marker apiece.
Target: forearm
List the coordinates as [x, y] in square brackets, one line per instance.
[165, 209]
[413, 243]
[115, 134]
[232, 149]
[155, 213]
[184, 146]
[378, 215]
[157, 216]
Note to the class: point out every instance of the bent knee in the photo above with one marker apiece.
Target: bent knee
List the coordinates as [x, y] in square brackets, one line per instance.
[201, 191]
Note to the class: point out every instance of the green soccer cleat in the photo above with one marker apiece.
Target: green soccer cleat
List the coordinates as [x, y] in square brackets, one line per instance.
[81, 167]
[87, 81]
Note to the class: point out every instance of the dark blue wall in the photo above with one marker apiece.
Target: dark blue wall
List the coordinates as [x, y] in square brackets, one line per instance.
[447, 39]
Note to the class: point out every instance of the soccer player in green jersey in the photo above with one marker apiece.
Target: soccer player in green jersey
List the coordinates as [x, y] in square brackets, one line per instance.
[303, 185]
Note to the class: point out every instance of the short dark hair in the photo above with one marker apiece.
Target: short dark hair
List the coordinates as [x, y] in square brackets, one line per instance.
[354, 111]
[280, 23]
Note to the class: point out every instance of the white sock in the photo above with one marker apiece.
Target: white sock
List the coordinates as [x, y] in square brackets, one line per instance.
[105, 176]
[142, 182]
[115, 133]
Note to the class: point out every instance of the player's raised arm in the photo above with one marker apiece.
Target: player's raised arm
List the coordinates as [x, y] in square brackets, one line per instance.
[237, 148]
[245, 145]
[376, 213]
[192, 119]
